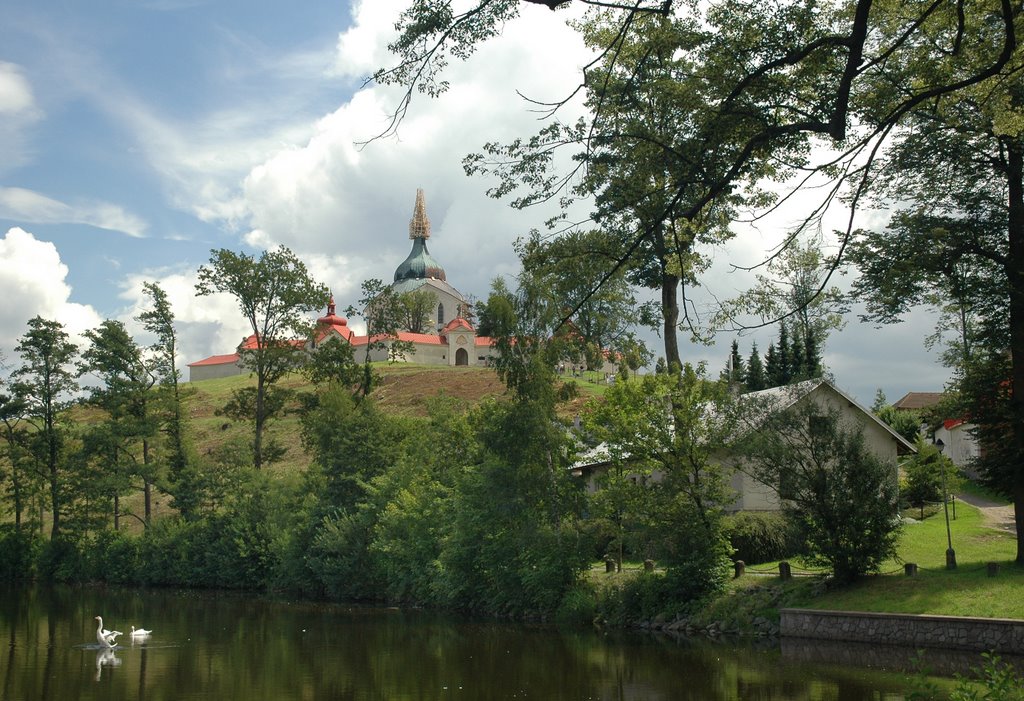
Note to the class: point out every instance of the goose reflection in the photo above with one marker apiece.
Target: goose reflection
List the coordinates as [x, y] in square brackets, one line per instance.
[106, 657]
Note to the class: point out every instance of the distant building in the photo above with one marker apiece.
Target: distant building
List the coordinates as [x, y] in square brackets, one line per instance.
[956, 434]
[453, 340]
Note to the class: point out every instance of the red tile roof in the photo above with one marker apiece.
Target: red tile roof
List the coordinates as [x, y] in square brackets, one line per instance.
[217, 360]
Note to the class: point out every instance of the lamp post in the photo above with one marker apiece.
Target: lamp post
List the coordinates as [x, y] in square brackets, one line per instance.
[950, 553]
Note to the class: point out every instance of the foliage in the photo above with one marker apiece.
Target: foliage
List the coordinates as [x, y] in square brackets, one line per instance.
[906, 423]
[274, 293]
[838, 493]
[665, 493]
[761, 536]
[930, 476]
[418, 308]
[570, 267]
[158, 320]
[794, 286]
[19, 553]
[385, 314]
[45, 381]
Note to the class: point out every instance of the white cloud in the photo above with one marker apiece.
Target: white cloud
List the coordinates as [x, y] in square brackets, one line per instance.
[29, 206]
[33, 283]
[334, 198]
[18, 112]
[16, 97]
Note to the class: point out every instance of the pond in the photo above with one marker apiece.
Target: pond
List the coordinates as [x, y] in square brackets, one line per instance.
[230, 647]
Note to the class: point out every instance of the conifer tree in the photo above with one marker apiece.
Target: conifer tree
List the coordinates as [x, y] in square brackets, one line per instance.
[754, 379]
[771, 366]
[734, 370]
[797, 362]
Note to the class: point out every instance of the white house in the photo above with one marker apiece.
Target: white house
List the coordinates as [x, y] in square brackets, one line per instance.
[752, 495]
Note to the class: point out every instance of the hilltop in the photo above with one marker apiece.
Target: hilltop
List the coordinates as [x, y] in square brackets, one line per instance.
[404, 389]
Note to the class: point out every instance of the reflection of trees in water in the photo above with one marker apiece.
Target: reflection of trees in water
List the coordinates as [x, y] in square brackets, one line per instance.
[230, 647]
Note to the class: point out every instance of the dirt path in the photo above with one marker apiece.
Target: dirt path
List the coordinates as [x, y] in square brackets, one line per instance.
[995, 515]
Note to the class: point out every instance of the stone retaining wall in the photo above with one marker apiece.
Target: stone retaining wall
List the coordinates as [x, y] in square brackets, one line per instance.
[1001, 635]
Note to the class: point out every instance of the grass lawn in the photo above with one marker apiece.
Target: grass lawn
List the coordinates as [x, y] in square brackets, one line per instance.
[965, 591]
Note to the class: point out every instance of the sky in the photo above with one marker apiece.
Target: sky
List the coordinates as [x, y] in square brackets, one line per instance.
[137, 135]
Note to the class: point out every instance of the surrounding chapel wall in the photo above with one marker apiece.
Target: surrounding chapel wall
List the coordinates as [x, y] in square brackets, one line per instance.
[198, 373]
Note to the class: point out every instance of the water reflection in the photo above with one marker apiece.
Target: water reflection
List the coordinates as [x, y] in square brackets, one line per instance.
[105, 657]
[221, 646]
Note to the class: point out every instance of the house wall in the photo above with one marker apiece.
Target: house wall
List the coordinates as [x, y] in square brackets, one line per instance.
[197, 373]
[960, 445]
[753, 495]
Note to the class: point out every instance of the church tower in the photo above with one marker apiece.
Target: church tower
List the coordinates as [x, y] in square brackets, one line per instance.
[421, 271]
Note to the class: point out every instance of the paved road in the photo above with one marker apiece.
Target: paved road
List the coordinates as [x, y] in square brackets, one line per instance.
[995, 514]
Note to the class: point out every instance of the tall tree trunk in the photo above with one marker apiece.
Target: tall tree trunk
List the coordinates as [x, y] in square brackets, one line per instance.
[147, 488]
[257, 440]
[670, 317]
[1015, 274]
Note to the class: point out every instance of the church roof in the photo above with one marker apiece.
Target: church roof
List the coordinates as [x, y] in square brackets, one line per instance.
[419, 264]
[456, 323]
[411, 284]
[332, 323]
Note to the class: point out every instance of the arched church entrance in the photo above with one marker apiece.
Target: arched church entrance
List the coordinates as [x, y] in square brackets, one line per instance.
[461, 357]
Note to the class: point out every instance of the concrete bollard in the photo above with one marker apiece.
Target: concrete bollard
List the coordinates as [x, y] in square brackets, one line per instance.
[993, 568]
[910, 569]
[738, 568]
[609, 564]
[648, 565]
[785, 571]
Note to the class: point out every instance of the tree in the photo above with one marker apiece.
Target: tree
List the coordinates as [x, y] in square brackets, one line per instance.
[21, 482]
[570, 266]
[385, 315]
[418, 307]
[46, 381]
[960, 248]
[274, 294]
[755, 378]
[163, 359]
[734, 369]
[926, 482]
[125, 396]
[665, 430]
[794, 287]
[806, 70]
[840, 495]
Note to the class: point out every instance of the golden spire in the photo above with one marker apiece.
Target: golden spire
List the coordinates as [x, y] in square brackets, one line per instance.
[419, 225]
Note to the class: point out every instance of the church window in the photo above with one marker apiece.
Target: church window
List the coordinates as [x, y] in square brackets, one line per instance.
[440, 314]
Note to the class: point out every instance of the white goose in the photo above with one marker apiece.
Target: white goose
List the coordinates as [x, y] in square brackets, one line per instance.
[140, 632]
[105, 637]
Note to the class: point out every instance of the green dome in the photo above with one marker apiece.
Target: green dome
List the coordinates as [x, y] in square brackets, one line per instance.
[419, 264]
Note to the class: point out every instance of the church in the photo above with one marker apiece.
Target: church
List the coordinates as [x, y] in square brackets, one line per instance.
[453, 342]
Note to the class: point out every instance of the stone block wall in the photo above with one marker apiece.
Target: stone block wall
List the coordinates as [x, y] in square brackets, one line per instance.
[1000, 635]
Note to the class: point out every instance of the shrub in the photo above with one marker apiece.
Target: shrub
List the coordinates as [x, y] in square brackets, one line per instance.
[761, 536]
[112, 556]
[18, 552]
[578, 607]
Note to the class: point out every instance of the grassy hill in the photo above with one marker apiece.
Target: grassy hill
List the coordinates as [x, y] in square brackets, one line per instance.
[404, 389]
